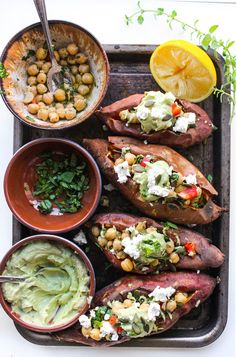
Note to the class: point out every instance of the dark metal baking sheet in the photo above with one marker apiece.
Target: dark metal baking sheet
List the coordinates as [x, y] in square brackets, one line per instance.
[130, 74]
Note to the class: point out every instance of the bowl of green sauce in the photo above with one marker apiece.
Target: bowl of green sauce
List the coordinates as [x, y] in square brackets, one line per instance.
[52, 185]
[59, 283]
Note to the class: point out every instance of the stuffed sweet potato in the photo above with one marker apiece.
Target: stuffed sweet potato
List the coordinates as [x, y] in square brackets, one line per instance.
[142, 245]
[156, 179]
[138, 306]
[158, 118]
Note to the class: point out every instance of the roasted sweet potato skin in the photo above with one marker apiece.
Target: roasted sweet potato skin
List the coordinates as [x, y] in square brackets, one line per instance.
[110, 116]
[200, 285]
[207, 255]
[99, 149]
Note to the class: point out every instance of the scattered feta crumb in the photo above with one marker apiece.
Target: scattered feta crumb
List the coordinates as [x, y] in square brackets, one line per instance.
[131, 246]
[92, 313]
[157, 113]
[107, 329]
[104, 127]
[145, 142]
[106, 317]
[109, 187]
[191, 179]
[122, 171]
[162, 294]
[197, 303]
[153, 311]
[80, 238]
[198, 271]
[84, 321]
[183, 122]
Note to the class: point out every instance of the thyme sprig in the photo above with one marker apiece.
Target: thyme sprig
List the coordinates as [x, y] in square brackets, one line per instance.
[206, 40]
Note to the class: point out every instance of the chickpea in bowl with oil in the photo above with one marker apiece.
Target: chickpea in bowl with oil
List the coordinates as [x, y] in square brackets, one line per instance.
[67, 100]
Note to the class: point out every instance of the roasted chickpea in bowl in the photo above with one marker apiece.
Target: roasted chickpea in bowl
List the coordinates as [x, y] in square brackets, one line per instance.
[27, 61]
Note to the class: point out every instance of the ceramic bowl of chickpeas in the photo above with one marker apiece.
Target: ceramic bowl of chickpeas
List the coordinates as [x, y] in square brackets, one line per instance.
[82, 60]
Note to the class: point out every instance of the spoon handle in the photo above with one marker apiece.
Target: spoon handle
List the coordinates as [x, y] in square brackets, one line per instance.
[41, 9]
[11, 279]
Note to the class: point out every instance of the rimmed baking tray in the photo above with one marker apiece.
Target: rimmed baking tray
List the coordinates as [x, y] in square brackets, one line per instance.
[130, 74]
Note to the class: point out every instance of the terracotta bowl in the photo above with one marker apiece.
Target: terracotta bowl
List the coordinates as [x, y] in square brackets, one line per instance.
[7, 307]
[63, 33]
[21, 171]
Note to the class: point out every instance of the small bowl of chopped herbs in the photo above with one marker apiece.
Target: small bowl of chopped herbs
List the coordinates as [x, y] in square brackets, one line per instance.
[52, 185]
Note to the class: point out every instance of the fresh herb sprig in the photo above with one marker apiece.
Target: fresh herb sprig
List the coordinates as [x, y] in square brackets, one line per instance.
[61, 182]
[3, 71]
[206, 40]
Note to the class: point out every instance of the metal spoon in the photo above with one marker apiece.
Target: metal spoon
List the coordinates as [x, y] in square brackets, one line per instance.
[54, 77]
[11, 279]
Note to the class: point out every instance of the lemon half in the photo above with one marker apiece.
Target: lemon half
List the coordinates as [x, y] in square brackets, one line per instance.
[184, 69]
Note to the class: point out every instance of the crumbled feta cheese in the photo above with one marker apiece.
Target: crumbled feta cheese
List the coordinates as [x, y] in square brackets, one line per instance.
[132, 229]
[191, 179]
[106, 317]
[191, 117]
[142, 113]
[198, 271]
[153, 311]
[159, 191]
[153, 188]
[184, 121]
[114, 336]
[80, 238]
[122, 171]
[125, 150]
[157, 113]
[107, 329]
[109, 187]
[197, 303]
[85, 321]
[162, 294]
[131, 246]
[145, 142]
[92, 313]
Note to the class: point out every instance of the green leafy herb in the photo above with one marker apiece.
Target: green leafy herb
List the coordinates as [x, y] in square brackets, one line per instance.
[210, 178]
[206, 40]
[30, 118]
[3, 71]
[61, 182]
[170, 225]
[30, 53]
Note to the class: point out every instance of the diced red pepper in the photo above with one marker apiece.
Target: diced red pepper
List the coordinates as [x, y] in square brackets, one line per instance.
[190, 248]
[112, 319]
[119, 329]
[189, 193]
[145, 161]
[176, 109]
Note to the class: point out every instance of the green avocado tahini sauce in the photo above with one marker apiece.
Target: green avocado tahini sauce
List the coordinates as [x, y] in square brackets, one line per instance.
[56, 285]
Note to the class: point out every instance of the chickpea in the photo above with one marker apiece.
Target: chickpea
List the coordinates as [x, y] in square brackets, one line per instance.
[29, 96]
[80, 105]
[180, 179]
[52, 110]
[48, 98]
[38, 98]
[117, 244]
[41, 78]
[71, 60]
[169, 247]
[72, 49]
[74, 70]
[141, 226]
[63, 62]
[109, 244]
[144, 307]
[81, 58]
[102, 241]
[78, 78]
[86, 331]
[33, 90]
[63, 53]
[32, 70]
[179, 188]
[41, 104]
[116, 306]
[83, 89]
[180, 298]
[151, 229]
[127, 303]
[171, 305]
[118, 161]
[121, 255]
[87, 78]
[31, 80]
[127, 265]
[39, 64]
[78, 97]
[41, 53]
[41, 88]
[43, 114]
[130, 158]
[154, 263]
[60, 95]
[53, 117]
[57, 57]
[111, 233]
[33, 108]
[46, 66]
[61, 112]
[95, 334]
[59, 106]
[84, 68]
[174, 258]
[95, 230]
[70, 113]
[69, 106]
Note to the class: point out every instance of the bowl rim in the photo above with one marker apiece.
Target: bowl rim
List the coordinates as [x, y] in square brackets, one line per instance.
[60, 240]
[82, 151]
[52, 22]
